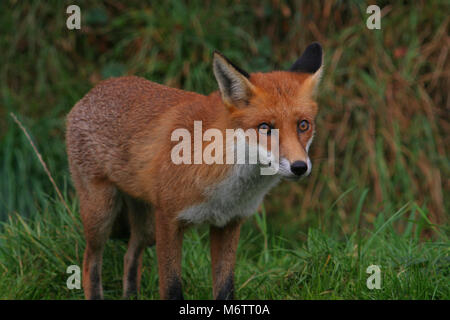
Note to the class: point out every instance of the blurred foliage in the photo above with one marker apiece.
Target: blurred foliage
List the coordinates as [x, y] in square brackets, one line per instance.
[383, 126]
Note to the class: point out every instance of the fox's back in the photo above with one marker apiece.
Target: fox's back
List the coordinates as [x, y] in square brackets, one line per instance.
[114, 114]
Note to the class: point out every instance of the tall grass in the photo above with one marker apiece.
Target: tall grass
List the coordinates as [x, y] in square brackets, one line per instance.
[380, 156]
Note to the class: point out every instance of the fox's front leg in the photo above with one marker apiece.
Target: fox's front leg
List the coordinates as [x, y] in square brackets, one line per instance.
[169, 240]
[224, 242]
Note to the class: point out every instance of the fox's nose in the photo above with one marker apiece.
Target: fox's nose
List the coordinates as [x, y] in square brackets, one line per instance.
[299, 167]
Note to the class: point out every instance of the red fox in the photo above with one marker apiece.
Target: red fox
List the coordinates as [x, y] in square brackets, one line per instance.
[119, 144]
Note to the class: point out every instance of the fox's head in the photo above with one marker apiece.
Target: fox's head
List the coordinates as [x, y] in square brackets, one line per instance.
[282, 100]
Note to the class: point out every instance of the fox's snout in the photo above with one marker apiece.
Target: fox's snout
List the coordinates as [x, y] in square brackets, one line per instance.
[295, 169]
[299, 168]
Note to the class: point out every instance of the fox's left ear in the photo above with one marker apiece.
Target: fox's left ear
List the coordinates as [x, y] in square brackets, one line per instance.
[310, 63]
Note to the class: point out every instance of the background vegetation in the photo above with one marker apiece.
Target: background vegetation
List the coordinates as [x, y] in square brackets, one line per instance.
[378, 193]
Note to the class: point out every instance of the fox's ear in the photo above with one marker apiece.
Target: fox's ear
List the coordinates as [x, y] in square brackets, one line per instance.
[310, 62]
[234, 84]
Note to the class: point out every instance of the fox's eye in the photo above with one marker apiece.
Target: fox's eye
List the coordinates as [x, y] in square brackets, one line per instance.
[264, 128]
[303, 126]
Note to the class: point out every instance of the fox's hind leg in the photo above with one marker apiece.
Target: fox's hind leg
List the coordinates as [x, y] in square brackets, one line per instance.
[99, 206]
[169, 240]
[224, 242]
[142, 235]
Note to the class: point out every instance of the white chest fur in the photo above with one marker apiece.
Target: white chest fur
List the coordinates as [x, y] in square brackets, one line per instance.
[237, 196]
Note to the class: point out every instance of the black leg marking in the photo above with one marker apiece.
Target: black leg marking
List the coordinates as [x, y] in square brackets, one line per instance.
[132, 279]
[174, 291]
[95, 283]
[132, 275]
[226, 292]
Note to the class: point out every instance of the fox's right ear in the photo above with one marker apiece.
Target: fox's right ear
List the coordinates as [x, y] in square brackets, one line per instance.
[234, 84]
[310, 63]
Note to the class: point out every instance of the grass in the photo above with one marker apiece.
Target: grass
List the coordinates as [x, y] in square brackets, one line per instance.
[378, 193]
[37, 252]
